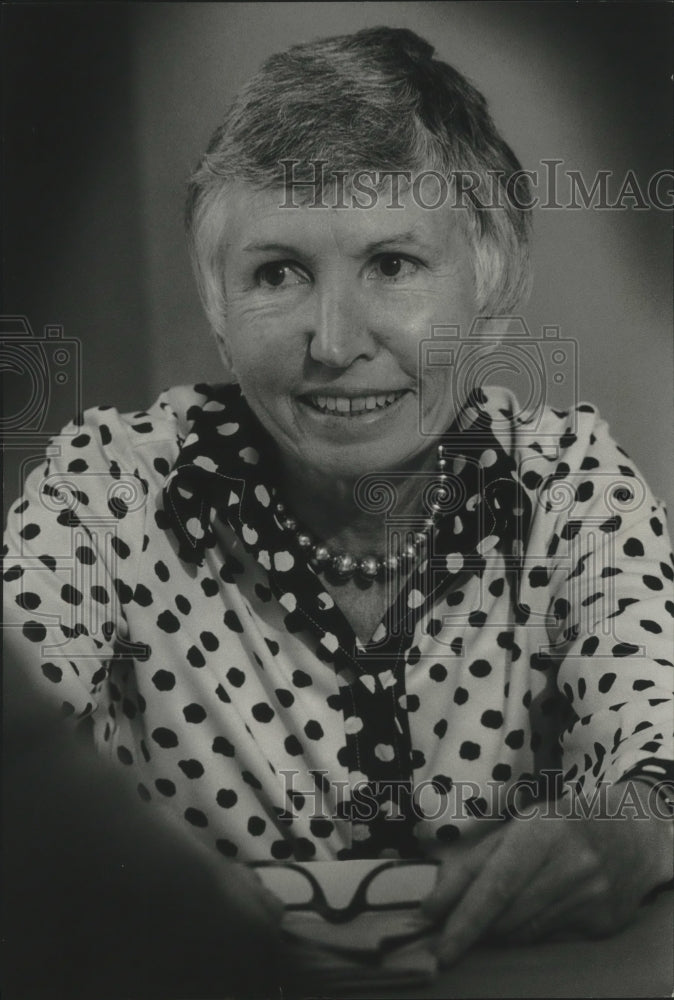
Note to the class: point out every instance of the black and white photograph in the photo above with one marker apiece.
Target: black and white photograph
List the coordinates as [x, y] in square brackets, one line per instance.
[337, 360]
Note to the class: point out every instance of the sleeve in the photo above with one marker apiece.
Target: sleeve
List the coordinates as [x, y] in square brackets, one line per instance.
[70, 558]
[611, 611]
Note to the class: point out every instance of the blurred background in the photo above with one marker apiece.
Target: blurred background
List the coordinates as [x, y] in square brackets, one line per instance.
[107, 108]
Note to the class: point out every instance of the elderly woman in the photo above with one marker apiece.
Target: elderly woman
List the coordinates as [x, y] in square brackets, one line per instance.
[351, 602]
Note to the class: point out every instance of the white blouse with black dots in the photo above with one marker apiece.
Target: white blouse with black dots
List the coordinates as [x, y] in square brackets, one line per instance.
[157, 598]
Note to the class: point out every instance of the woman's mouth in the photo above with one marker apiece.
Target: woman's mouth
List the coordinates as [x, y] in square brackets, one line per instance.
[353, 406]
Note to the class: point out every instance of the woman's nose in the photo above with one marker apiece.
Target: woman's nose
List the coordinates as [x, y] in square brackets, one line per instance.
[341, 332]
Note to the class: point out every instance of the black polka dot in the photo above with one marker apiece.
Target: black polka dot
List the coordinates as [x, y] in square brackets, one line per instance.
[52, 672]
[28, 601]
[256, 826]
[196, 817]
[208, 641]
[71, 595]
[30, 531]
[85, 555]
[165, 787]
[182, 604]
[293, 746]
[300, 679]
[124, 755]
[226, 798]
[656, 526]
[437, 672]
[589, 646]
[625, 649]
[538, 576]
[477, 618]
[222, 746]
[286, 698]
[585, 491]
[653, 582]
[142, 596]
[210, 587]
[460, 696]
[650, 626]
[34, 631]
[194, 713]
[236, 677]
[166, 738]
[231, 620]
[469, 750]
[321, 827]
[448, 833]
[633, 547]
[440, 728]
[262, 712]
[501, 772]
[120, 547]
[161, 570]
[168, 622]
[226, 847]
[313, 730]
[492, 719]
[480, 668]
[515, 739]
[281, 850]
[164, 680]
[191, 768]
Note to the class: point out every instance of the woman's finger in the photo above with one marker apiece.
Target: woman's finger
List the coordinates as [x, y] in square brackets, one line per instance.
[506, 871]
[460, 866]
[562, 879]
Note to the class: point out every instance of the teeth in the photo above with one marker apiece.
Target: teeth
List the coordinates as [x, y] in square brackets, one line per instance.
[354, 404]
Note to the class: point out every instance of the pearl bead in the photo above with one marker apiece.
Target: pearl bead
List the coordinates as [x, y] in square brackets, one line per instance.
[304, 540]
[368, 567]
[321, 554]
[344, 564]
[280, 508]
[391, 563]
[289, 523]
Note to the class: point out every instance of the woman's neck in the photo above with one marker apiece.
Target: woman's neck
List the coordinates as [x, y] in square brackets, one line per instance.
[330, 510]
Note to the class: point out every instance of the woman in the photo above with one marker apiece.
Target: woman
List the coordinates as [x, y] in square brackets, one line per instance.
[347, 605]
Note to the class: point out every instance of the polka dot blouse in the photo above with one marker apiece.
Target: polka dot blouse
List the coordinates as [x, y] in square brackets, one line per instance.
[156, 597]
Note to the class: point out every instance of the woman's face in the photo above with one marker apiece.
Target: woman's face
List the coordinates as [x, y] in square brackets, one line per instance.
[326, 312]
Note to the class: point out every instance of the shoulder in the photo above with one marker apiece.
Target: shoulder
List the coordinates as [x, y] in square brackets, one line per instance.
[556, 443]
[143, 443]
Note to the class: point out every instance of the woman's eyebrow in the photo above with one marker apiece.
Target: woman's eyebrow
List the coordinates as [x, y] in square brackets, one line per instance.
[284, 248]
[396, 240]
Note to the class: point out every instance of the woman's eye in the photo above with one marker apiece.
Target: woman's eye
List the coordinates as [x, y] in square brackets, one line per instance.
[392, 265]
[279, 273]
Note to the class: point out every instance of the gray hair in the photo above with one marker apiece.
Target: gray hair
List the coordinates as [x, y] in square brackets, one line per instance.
[375, 100]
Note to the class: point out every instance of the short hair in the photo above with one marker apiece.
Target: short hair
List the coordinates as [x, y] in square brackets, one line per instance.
[377, 100]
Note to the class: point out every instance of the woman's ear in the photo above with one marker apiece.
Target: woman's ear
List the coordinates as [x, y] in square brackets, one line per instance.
[224, 352]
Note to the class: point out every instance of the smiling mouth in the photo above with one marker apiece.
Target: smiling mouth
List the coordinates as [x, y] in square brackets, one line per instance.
[353, 406]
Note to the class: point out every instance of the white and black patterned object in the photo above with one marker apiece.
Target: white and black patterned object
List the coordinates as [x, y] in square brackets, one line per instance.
[227, 454]
[225, 690]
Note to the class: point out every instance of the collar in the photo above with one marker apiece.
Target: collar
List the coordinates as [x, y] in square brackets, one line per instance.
[226, 468]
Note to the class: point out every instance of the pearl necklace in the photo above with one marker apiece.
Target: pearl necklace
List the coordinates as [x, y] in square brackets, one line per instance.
[369, 567]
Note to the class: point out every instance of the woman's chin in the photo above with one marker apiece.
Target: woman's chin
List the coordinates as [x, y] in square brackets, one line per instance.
[347, 445]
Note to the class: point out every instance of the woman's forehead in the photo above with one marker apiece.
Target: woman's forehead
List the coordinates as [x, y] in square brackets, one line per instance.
[259, 221]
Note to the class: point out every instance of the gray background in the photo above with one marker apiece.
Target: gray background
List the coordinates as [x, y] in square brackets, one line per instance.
[107, 108]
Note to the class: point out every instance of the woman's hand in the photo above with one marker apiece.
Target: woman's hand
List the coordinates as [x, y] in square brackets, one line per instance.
[551, 875]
